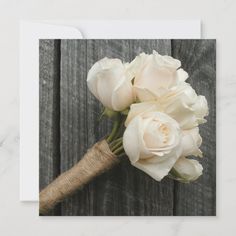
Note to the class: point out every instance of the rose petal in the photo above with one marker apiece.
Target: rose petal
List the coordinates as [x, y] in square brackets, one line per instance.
[92, 77]
[183, 105]
[155, 167]
[144, 94]
[181, 75]
[136, 65]
[167, 61]
[155, 79]
[139, 108]
[201, 109]
[182, 113]
[106, 84]
[187, 169]
[191, 142]
[131, 139]
[122, 96]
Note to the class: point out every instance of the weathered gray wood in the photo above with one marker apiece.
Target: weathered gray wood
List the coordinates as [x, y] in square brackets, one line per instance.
[74, 138]
[69, 122]
[198, 59]
[123, 190]
[49, 112]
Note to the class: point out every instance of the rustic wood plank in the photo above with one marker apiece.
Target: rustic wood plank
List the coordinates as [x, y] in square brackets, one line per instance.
[73, 105]
[198, 59]
[123, 190]
[49, 112]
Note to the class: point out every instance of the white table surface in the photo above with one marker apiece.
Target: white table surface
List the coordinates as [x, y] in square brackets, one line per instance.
[218, 21]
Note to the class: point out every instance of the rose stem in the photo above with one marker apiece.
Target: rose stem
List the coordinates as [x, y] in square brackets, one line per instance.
[114, 130]
[118, 150]
[113, 143]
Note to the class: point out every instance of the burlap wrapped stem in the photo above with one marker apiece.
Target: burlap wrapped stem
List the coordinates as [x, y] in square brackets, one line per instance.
[97, 160]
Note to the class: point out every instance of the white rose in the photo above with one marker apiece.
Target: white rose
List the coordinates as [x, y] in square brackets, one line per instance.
[152, 141]
[186, 170]
[191, 139]
[110, 83]
[154, 75]
[184, 105]
[181, 103]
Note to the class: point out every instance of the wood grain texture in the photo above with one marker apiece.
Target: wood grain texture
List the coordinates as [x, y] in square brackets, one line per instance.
[49, 112]
[73, 102]
[198, 58]
[69, 125]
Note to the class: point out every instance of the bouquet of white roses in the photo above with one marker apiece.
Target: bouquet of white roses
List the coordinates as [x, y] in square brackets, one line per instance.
[155, 117]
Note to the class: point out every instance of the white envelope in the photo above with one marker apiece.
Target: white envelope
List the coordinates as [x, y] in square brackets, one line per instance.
[30, 33]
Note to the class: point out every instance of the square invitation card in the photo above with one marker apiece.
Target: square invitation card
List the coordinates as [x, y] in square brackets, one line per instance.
[127, 127]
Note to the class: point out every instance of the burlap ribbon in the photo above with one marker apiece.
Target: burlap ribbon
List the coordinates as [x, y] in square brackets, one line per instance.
[97, 160]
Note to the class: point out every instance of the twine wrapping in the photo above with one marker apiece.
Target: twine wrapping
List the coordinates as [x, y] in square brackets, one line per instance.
[97, 160]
